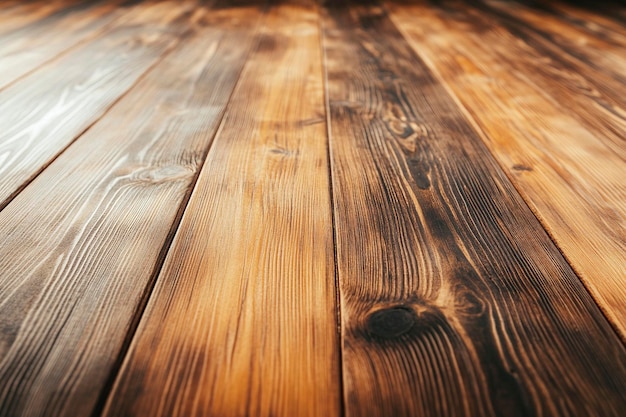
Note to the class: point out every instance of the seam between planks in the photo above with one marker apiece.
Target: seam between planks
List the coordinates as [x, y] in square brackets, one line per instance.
[27, 182]
[482, 135]
[322, 38]
[182, 208]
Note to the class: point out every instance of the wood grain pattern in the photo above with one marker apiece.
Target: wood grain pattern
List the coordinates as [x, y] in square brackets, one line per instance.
[242, 321]
[571, 179]
[454, 300]
[28, 47]
[45, 112]
[80, 245]
[147, 269]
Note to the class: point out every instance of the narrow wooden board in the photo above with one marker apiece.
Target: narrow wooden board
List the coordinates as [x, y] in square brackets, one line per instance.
[242, 321]
[44, 112]
[81, 245]
[454, 300]
[27, 48]
[571, 180]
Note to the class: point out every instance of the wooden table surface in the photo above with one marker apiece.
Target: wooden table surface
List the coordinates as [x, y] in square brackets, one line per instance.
[288, 208]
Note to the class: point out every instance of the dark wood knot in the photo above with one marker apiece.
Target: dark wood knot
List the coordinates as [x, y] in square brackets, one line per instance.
[391, 322]
[521, 167]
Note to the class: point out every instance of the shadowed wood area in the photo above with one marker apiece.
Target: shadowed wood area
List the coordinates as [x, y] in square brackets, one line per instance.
[303, 208]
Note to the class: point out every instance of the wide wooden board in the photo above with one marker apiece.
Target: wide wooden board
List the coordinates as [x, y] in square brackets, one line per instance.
[565, 171]
[242, 321]
[81, 245]
[454, 300]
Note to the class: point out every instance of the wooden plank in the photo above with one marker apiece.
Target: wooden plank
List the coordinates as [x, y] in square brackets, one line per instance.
[81, 245]
[27, 48]
[43, 113]
[454, 301]
[571, 180]
[242, 321]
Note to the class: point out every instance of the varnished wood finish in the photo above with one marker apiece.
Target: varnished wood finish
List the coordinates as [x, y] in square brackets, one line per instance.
[454, 301]
[562, 166]
[285, 208]
[90, 245]
[242, 320]
[43, 113]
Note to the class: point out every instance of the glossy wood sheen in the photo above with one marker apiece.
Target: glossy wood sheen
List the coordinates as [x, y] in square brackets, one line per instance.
[224, 208]
[593, 97]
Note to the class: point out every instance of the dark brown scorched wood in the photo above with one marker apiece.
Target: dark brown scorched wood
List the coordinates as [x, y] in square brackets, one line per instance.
[454, 300]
